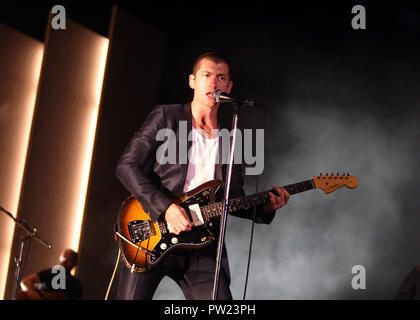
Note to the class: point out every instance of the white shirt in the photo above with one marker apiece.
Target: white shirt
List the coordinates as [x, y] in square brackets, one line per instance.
[203, 156]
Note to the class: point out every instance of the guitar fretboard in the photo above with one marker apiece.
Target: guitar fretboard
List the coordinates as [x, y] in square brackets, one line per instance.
[215, 210]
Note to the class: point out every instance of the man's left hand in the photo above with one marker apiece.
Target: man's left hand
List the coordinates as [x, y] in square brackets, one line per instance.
[277, 202]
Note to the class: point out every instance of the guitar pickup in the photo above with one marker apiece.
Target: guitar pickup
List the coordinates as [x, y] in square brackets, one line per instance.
[140, 230]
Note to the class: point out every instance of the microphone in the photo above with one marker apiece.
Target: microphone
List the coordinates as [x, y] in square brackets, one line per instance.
[220, 97]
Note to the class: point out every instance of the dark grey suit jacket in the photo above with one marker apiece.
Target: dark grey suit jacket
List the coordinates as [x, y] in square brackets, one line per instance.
[152, 182]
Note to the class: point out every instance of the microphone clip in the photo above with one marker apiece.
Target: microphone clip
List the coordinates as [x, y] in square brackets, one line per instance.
[222, 97]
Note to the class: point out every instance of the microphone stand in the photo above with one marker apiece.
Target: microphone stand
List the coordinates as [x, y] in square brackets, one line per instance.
[31, 234]
[225, 204]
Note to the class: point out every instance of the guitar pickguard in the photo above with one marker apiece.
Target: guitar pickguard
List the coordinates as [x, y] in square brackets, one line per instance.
[198, 237]
[144, 243]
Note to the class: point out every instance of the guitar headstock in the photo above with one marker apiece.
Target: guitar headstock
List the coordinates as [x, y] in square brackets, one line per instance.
[330, 183]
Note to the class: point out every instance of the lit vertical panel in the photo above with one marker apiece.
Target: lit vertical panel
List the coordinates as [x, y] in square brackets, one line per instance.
[20, 65]
[131, 88]
[58, 163]
[80, 192]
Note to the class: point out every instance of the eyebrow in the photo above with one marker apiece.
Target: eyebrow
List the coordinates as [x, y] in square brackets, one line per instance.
[209, 72]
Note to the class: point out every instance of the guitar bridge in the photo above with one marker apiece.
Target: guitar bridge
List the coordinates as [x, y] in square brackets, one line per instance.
[140, 230]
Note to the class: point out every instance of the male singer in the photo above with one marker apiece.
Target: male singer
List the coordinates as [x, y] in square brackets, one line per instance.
[192, 271]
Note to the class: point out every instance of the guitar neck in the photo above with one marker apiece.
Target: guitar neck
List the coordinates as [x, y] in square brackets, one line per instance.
[215, 210]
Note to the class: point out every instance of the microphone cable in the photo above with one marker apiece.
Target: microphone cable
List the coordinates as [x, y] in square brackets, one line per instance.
[253, 221]
[250, 242]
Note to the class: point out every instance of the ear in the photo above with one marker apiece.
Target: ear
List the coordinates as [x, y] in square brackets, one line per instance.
[229, 89]
[191, 81]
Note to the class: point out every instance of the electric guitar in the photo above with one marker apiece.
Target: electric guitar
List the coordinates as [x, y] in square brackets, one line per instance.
[143, 242]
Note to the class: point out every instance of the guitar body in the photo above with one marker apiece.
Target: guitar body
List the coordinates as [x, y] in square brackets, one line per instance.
[144, 243]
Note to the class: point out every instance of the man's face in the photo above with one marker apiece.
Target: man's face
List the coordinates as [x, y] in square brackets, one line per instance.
[209, 77]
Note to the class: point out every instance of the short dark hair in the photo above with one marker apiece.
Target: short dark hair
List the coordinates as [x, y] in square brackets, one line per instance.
[214, 56]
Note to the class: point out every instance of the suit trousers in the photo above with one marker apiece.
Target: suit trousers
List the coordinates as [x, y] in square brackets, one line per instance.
[193, 272]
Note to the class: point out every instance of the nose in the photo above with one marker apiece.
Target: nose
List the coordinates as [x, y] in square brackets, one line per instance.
[213, 82]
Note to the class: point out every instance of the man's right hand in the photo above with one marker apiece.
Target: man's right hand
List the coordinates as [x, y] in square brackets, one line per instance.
[178, 219]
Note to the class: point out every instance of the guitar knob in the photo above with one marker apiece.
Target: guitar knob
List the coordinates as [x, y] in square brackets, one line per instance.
[174, 240]
[163, 246]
